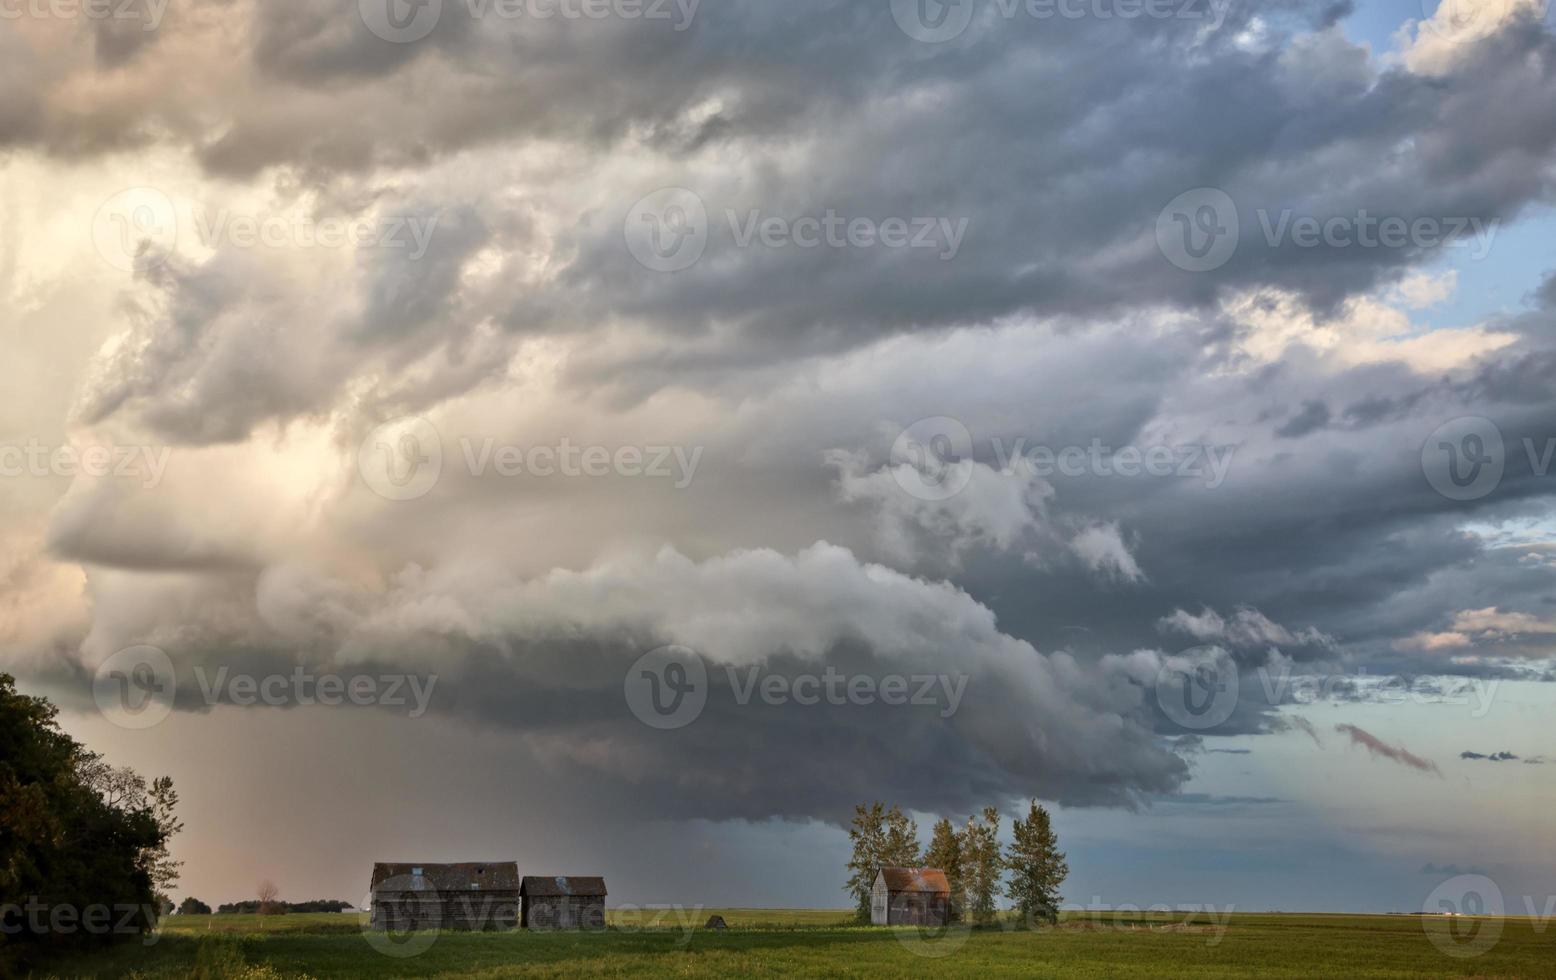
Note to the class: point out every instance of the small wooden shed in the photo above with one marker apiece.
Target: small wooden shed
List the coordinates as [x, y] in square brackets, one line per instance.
[910, 897]
[460, 897]
[563, 902]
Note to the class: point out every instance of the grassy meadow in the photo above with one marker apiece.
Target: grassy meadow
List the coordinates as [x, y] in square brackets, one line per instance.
[821, 942]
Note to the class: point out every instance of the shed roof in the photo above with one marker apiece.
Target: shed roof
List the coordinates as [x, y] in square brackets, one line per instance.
[499, 876]
[930, 880]
[574, 885]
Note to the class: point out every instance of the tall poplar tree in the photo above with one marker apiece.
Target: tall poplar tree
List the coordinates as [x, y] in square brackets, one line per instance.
[1037, 867]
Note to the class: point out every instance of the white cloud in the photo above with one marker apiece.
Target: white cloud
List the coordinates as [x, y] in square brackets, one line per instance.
[1101, 547]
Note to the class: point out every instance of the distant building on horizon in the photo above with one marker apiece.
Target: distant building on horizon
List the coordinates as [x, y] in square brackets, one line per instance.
[459, 897]
[910, 897]
[563, 902]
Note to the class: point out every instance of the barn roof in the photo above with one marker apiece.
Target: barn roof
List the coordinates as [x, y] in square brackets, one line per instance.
[499, 876]
[541, 887]
[930, 880]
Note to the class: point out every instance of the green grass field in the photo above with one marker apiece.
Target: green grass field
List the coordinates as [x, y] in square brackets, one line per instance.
[819, 942]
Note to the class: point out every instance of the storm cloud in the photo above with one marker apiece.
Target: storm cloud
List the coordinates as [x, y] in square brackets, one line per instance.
[936, 386]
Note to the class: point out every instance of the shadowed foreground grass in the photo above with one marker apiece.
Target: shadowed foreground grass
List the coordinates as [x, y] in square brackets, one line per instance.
[815, 943]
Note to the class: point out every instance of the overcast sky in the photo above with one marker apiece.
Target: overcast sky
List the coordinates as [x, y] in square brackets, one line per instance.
[621, 436]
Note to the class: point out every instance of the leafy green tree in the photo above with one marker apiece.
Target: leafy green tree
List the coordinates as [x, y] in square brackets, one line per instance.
[981, 863]
[901, 849]
[882, 838]
[64, 840]
[1037, 867]
[945, 853]
[163, 800]
[126, 789]
[868, 833]
[193, 906]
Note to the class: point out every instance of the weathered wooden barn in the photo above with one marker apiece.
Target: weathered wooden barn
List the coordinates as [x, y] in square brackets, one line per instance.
[563, 903]
[459, 897]
[910, 897]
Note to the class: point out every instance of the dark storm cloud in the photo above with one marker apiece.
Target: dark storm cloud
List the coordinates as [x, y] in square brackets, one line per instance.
[1065, 225]
[1059, 162]
[1212, 800]
[1325, 544]
[1449, 870]
[986, 717]
[1313, 416]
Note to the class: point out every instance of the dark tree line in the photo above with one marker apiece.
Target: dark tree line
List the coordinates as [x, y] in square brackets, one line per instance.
[970, 857]
[274, 907]
[83, 846]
